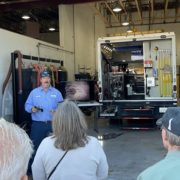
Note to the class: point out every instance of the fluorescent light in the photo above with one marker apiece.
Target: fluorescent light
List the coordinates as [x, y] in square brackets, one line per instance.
[125, 20]
[117, 9]
[26, 17]
[52, 29]
[125, 23]
[129, 31]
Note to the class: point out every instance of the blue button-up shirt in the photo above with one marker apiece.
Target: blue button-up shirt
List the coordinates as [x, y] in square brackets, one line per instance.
[46, 100]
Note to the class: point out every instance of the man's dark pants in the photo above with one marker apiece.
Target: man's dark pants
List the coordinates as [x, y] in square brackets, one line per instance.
[39, 130]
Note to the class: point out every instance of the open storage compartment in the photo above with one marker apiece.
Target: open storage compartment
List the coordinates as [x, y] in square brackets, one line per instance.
[139, 69]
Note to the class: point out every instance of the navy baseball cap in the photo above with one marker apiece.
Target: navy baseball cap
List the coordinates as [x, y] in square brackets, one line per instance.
[171, 120]
[45, 73]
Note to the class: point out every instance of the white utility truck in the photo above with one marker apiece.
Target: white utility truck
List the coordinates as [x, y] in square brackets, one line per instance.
[137, 77]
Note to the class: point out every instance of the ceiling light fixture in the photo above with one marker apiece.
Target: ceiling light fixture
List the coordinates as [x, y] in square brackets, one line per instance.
[26, 17]
[129, 30]
[52, 29]
[125, 21]
[117, 8]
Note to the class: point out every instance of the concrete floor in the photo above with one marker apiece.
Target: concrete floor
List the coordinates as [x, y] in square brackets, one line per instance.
[131, 152]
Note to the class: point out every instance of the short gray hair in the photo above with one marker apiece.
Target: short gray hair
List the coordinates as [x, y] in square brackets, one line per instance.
[69, 126]
[15, 151]
[172, 138]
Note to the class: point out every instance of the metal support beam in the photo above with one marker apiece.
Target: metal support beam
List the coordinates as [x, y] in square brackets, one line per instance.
[165, 9]
[176, 11]
[97, 10]
[29, 4]
[115, 17]
[139, 11]
[152, 10]
[122, 6]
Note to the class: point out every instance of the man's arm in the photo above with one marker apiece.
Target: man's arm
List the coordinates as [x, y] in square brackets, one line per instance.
[29, 106]
[59, 97]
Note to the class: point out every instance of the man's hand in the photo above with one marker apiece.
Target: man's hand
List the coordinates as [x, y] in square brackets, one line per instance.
[34, 109]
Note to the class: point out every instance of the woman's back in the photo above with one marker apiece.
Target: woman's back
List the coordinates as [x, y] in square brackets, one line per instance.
[83, 163]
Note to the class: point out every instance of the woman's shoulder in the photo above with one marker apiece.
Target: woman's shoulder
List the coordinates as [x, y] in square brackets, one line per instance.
[47, 140]
[92, 139]
[94, 145]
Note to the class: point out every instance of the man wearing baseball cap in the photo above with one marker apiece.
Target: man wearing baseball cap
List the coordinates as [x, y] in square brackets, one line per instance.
[169, 167]
[41, 103]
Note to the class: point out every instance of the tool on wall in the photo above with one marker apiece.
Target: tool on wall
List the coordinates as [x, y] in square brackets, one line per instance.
[165, 73]
[148, 65]
[19, 56]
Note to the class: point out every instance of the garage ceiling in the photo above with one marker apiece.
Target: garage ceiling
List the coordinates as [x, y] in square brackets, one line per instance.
[139, 12]
[45, 12]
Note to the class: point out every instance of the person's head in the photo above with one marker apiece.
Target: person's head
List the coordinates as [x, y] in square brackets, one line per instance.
[15, 151]
[69, 126]
[45, 79]
[170, 124]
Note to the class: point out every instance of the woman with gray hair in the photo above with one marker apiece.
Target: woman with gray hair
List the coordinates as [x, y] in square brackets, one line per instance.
[69, 153]
[15, 151]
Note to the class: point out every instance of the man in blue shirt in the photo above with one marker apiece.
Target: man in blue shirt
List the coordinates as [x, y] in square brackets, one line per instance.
[169, 167]
[42, 102]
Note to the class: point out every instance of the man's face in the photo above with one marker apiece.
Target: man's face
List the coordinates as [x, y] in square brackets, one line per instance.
[45, 82]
